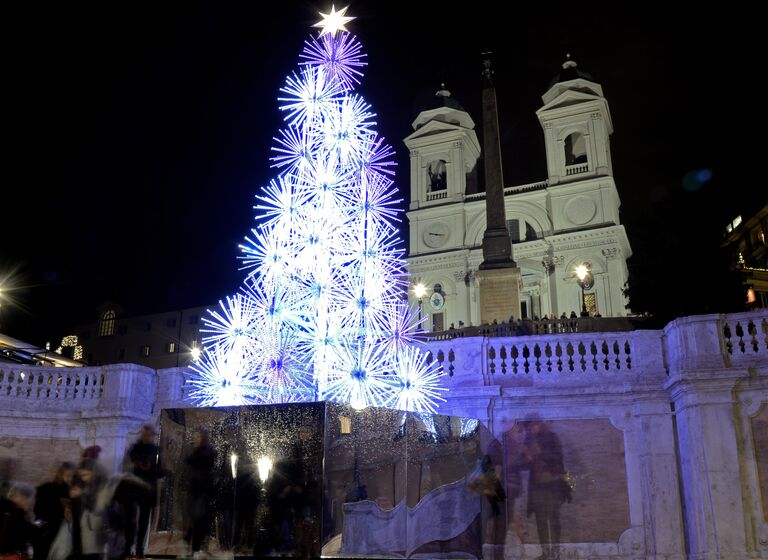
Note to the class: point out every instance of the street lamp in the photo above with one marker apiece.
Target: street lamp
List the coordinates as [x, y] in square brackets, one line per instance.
[420, 290]
[584, 277]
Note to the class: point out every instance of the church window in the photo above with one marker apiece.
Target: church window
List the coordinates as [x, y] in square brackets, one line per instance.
[144, 351]
[107, 325]
[513, 227]
[530, 232]
[436, 172]
[575, 149]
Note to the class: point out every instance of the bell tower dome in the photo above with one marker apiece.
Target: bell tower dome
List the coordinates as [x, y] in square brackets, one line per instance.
[577, 126]
[444, 149]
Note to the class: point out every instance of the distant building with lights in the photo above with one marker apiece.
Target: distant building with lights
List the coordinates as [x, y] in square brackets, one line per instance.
[569, 219]
[157, 340]
[746, 246]
[15, 351]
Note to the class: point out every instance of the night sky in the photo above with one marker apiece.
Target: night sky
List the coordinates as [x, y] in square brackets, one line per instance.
[137, 134]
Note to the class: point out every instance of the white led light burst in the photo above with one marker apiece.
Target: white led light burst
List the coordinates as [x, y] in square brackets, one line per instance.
[321, 314]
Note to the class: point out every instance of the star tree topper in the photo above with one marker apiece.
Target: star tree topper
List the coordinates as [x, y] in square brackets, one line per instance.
[333, 22]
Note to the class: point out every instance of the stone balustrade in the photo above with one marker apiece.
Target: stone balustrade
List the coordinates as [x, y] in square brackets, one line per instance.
[745, 338]
[525, 327]
[49, 386]
[437, 195]
[519, 360]
[576, 169]
[474, 354]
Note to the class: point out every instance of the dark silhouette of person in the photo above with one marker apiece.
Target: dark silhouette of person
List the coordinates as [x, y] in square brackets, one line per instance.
[547, 488]
[200, 462]
[92, 531]
[50, 502]
[144, 455]
[17, 531]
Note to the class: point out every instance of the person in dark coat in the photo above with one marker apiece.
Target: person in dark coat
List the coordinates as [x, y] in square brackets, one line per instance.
[200, 462]
[144, 456]
[547, 487]
[17, 532]
[50, 502]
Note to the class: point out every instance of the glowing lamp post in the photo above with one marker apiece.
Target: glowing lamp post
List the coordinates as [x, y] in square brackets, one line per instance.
[264, 465]
[195, 352]
[584, 277]
[420, 290]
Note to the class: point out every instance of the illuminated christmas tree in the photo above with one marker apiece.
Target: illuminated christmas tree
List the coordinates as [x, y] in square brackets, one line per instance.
[322, 314]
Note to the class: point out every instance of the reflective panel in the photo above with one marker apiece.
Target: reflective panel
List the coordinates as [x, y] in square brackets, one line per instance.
[254, 487]
[320, 479]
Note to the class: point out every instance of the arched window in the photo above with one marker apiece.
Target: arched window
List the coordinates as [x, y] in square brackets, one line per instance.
[107, 325]
[436, 172]
[513, 227]
[575, 149]
[530, 232]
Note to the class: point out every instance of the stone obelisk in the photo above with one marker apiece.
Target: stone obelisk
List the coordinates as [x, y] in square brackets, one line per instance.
[499, 277]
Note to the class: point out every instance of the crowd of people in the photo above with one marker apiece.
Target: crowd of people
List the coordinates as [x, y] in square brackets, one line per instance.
[83, 513]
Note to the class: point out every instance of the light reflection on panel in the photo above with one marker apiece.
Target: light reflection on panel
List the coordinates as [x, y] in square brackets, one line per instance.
[311, 479]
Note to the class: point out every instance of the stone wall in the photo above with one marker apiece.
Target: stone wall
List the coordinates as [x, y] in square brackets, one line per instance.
[663, 433]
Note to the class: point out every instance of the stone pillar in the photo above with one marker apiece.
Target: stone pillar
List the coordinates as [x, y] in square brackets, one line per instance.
[498, 276]
[709, 462]
[499, 294]
[126, 403]
[652, 437]
[170, 388]
[695, 343]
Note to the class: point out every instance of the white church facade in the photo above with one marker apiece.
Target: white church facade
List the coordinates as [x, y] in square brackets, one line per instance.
[556, 225]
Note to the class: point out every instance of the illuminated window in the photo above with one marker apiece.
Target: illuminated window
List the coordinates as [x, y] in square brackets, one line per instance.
[107, 326]
[346, 424]
[575, 149]
[144, 351]
[590, 300]
[171, 347]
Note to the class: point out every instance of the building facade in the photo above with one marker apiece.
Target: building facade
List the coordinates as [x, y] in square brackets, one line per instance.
[567, 220]
[157, 340]
[746, 246]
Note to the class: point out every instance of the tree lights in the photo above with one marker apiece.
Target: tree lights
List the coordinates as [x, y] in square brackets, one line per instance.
[321, 314]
